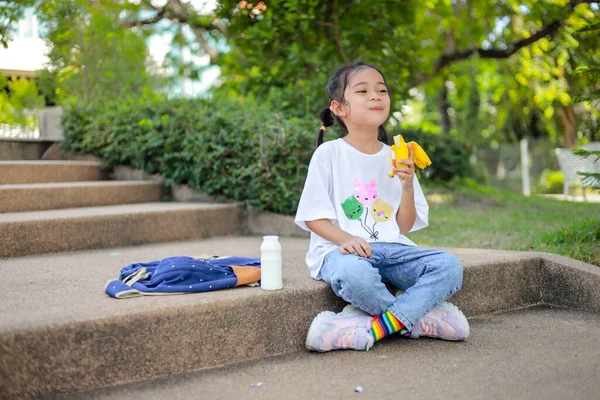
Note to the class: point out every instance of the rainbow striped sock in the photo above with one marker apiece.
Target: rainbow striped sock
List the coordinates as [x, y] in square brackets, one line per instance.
[385, 324]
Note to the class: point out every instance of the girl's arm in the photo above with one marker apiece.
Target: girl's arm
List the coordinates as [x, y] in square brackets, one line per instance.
[348, 243]
[407, 213]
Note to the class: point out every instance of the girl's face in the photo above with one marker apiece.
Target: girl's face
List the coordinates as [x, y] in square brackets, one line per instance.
[367, 97]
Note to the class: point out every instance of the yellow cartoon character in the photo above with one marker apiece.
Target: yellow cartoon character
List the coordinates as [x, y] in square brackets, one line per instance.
[399, 151]
[381, 211]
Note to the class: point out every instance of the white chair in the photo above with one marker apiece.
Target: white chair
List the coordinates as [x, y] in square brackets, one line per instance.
[570, 164]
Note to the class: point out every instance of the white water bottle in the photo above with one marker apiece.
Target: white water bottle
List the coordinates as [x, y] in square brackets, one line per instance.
[270, 264]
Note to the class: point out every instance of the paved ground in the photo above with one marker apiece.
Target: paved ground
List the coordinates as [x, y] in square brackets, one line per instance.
[591, 198]
[533, 353]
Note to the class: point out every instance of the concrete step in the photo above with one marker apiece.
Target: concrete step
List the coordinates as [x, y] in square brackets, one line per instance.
[70, 229]
[53, 196]
[59, 332]
[16, 172]
[539, 365]
[23, 149]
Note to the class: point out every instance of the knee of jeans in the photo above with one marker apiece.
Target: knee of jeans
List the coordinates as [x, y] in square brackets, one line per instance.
[454, 270]
[353, 276]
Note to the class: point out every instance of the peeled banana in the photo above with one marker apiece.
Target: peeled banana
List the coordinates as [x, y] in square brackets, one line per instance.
[399, 151]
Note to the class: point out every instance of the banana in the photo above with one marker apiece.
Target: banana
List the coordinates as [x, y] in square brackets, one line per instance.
[399, 151]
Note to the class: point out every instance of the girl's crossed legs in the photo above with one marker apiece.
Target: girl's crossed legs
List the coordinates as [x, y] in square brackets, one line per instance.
[427, 276]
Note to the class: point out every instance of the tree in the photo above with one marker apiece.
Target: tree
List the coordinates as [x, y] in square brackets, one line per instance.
[517, 80]
[92, 57]
[18, 102]
[498, 100]
[592, 97]
[10, 13]
[291, 45]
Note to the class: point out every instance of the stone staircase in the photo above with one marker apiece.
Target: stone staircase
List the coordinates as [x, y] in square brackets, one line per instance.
[54, 206]
[65, 231]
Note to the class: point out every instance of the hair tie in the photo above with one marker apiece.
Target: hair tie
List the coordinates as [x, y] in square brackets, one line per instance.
[323, 128]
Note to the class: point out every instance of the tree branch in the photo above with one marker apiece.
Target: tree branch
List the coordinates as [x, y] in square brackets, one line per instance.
[338, 35]
[162, 14]
[208, 49]
[198, 31]
[446, 59]
[180, 14]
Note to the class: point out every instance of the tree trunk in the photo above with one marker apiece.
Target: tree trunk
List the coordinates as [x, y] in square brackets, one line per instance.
[444, 105]
[568, 119]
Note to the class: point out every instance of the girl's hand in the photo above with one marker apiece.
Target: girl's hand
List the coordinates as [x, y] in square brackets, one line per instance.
[356, 245]
[407, 173]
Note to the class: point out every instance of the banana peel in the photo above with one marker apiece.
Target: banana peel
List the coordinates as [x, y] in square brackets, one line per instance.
[399, 151]
[420, 158]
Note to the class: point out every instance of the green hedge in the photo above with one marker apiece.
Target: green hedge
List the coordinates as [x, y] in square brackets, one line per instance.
[241, 151]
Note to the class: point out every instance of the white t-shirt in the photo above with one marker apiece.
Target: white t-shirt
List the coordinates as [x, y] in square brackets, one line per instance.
[353, 190]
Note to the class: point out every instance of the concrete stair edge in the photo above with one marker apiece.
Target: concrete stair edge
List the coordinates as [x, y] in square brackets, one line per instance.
[52, 196]
[40, 171]
[570, 283]
[80, 232]
[88, 355]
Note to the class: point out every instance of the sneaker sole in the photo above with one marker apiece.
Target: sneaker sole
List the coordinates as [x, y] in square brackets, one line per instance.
[322, 316]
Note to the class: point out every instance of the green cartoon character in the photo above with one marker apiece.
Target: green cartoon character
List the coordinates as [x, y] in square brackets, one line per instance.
[352, 208]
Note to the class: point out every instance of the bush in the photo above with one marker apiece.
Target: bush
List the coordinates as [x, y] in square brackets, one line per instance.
[229, 147]
[550, 182]
[242, 151]
[450, 156]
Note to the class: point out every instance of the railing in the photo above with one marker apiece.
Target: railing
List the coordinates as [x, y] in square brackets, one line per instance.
[521, 167]
[516, 166]
[18, 132]
[47, 126]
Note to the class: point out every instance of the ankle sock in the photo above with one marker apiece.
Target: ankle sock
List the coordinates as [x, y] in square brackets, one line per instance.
[385, 324]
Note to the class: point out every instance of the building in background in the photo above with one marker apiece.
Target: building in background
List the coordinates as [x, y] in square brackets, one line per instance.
[26, 53]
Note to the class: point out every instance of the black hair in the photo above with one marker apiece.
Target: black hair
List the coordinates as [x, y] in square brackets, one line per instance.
[335, 91]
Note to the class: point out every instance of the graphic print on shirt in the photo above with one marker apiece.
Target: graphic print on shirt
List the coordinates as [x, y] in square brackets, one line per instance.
[365, 195]
[352, 208]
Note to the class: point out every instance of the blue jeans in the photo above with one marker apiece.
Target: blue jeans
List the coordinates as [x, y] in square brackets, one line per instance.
[427, 276]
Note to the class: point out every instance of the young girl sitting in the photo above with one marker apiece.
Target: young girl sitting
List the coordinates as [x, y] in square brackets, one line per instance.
[357, 216]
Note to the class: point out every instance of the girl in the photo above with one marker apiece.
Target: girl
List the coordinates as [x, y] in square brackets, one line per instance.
[357, 215]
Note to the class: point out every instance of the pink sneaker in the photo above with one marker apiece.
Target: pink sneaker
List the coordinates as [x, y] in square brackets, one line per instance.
[445, 321]
[331, 331]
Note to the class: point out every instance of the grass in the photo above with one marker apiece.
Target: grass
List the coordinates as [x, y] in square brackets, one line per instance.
[467, 215]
